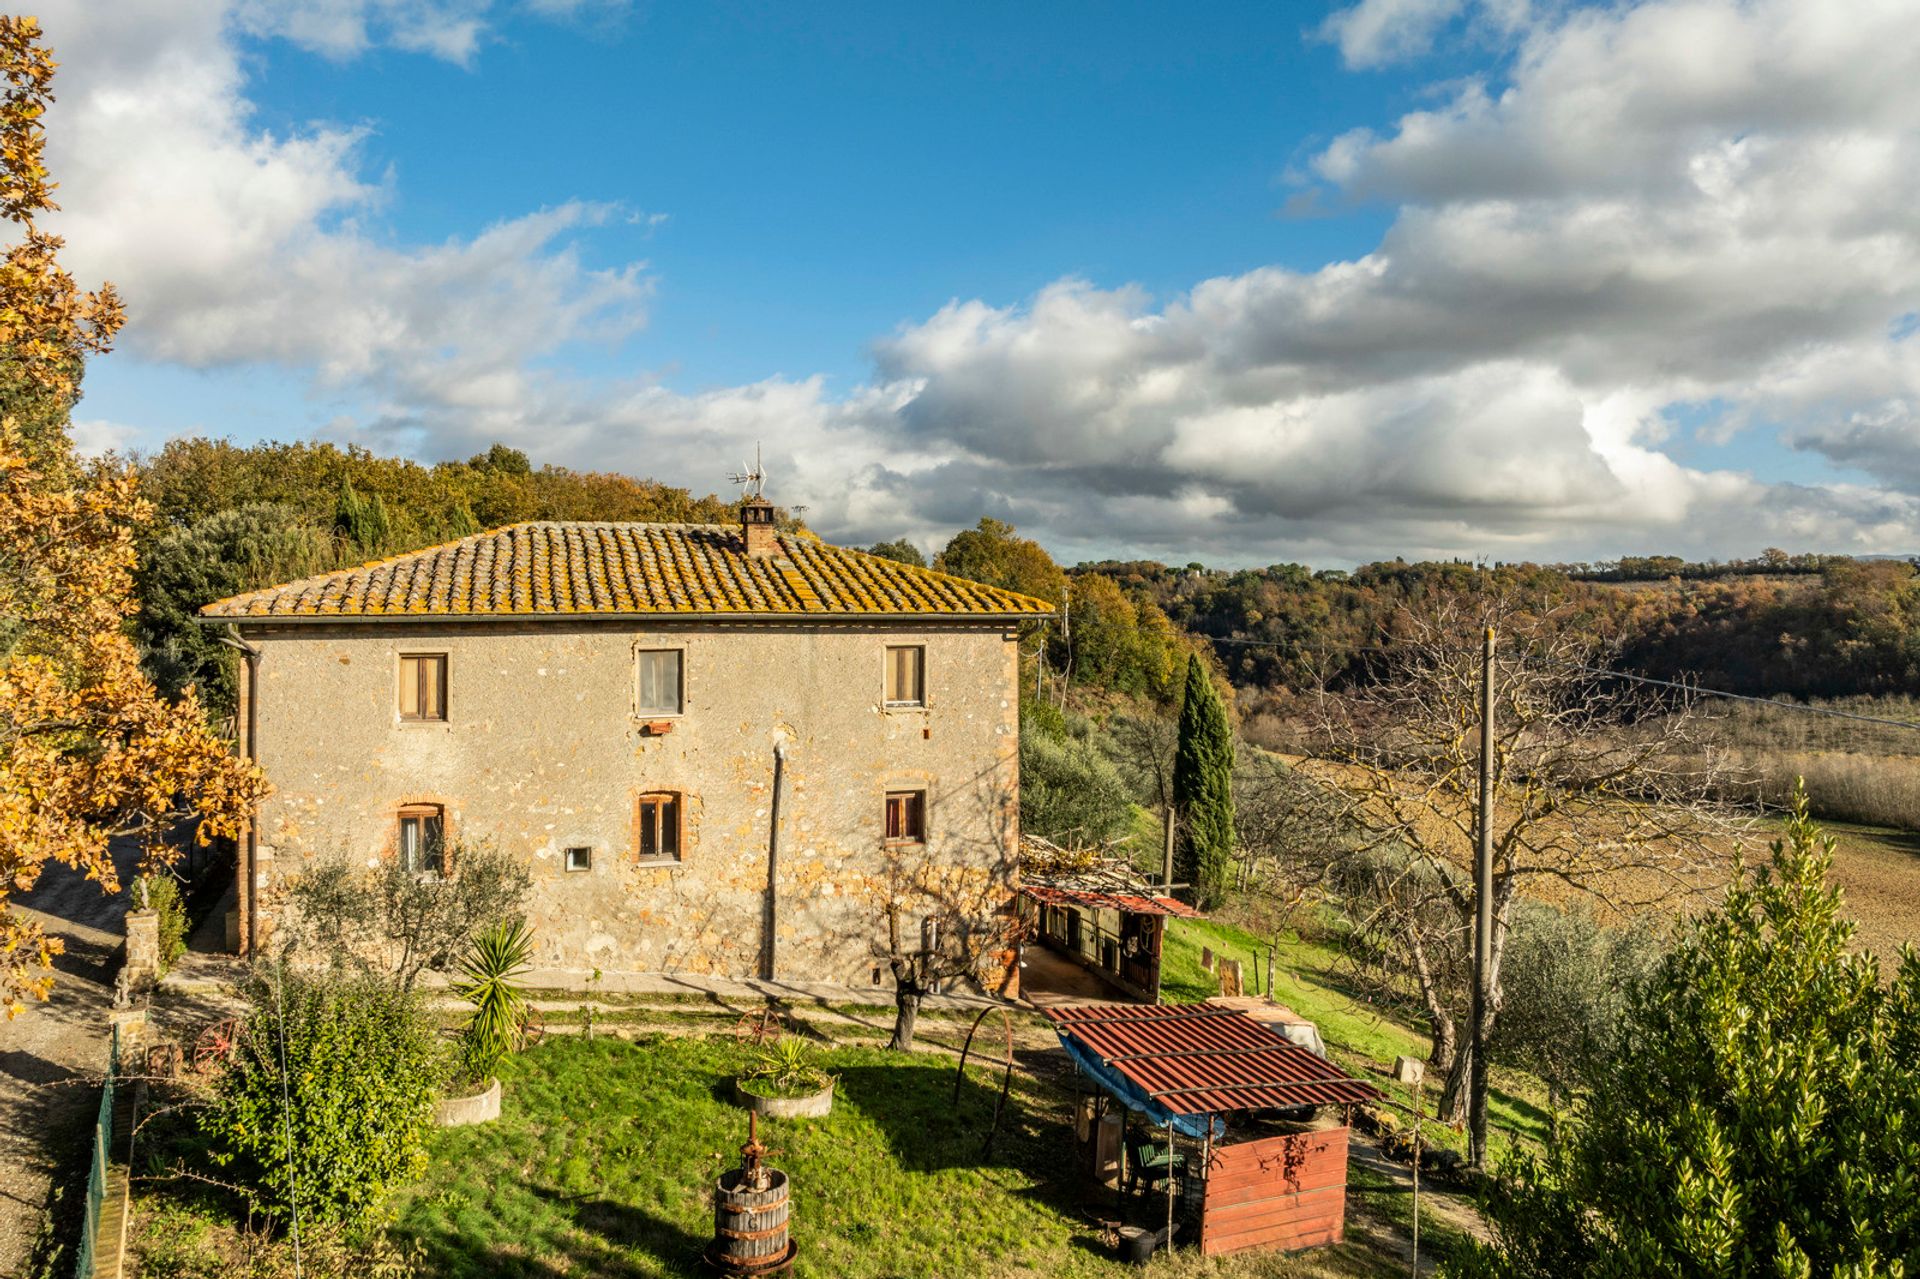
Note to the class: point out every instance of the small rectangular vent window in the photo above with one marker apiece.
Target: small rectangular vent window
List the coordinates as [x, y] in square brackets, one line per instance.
[579, 859]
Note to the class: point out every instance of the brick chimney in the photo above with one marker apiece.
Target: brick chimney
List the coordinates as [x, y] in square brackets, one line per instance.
[756, 528]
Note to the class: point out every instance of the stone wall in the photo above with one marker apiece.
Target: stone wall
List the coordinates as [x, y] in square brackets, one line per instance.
[542, 751]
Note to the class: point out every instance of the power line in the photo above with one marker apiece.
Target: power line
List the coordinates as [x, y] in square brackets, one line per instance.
[1696, 689]
[1798, 708]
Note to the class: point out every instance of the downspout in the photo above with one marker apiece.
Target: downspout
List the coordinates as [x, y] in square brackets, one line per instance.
[246, 896]
[770, 920]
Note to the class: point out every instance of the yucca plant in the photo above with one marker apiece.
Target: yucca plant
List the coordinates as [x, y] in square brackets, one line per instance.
[787, 1066]
[494, 959]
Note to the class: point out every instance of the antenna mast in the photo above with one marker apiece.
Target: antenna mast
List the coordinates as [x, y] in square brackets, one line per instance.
[752, 480]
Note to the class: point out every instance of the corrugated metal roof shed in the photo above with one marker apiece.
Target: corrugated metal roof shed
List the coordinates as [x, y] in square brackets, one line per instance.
[1097, 899]
[1206, 1059]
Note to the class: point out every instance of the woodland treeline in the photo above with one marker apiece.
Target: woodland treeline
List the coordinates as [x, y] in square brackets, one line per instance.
[231, 518]
[1812, 627]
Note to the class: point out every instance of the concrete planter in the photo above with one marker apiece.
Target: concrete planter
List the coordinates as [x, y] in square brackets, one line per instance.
[458, 1112]
[811, 1106]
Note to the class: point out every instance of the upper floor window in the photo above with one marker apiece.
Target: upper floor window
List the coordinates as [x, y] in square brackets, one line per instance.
[658, 682]
[907, 817]
[657, 815]
[423, 686]
[906, 675]
[423, 839]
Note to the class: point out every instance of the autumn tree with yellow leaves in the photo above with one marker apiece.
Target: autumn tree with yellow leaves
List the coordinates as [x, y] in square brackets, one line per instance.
[89, 751]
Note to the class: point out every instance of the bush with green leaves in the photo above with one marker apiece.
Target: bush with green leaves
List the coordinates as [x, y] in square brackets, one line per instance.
[163, 897]
[494, 961]
[326, 1104]
[399, 923]
[1564, 986]
[1070, 792]
[1759, 1115]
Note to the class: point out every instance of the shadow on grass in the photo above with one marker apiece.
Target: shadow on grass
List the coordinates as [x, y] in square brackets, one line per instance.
[603, 1238]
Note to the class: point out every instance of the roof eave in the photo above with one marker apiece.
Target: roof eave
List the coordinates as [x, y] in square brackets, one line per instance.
[894, 618]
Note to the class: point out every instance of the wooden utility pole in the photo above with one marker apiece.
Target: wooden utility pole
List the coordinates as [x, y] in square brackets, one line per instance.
[1482, 923]
[1166, 853]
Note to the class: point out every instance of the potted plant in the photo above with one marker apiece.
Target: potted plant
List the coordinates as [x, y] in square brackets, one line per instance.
[497, 1025]
[784, 1081]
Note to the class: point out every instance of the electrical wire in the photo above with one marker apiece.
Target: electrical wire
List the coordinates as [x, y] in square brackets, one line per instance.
[1798, 708]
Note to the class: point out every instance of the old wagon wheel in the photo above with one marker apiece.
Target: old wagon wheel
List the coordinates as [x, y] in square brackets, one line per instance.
[215, 1044]
[756, 1028]
[533, 1027]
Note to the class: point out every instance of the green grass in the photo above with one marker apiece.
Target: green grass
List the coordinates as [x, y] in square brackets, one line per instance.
[604, 1159]
[1359, 1036]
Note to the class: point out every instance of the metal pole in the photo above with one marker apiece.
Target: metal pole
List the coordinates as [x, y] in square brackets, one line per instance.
[771, 921]
[1169, 1183]
[1419, 1121]
[1482, 923]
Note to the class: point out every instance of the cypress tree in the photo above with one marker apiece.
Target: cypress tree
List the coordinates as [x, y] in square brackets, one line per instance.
[360, 520]
[1203, 788]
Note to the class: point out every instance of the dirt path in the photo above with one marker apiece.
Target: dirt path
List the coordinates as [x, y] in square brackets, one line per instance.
[52, 1055]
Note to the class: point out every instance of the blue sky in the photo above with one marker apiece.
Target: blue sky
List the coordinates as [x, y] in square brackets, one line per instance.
[1259, 281]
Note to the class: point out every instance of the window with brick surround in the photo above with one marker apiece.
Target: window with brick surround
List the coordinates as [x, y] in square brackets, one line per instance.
[906, 675]
[423, 687]
[657, 826]
[906, 817]
[423, 839]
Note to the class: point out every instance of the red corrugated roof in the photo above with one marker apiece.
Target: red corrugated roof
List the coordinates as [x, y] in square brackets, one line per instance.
[1206, 1059]
[1132, 903]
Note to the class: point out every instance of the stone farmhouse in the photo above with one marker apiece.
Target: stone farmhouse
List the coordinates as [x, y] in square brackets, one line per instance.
[714, 745]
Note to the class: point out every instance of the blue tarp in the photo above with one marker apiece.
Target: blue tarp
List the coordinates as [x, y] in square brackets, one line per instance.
[1128, 1094]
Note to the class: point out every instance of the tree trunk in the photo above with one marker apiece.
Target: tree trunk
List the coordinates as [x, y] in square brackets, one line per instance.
[1440, 1055]
[906, 1007]
[1453, 1099]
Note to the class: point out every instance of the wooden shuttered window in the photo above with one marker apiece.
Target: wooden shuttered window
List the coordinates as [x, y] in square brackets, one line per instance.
[658, 830]
[423, 839]
[906, 817]
[906, 675]
[423, 686]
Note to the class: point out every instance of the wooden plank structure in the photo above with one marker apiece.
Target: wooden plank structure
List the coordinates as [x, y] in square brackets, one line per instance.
[1265, 1184]
[1104, 923]
[1282, 1192]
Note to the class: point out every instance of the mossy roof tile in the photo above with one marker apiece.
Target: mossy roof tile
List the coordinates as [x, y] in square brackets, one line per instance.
[576, 568]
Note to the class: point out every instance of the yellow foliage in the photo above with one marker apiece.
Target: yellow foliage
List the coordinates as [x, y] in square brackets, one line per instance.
[89, 752]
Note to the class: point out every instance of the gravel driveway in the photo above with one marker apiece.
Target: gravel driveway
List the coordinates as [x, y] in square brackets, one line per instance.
[52, 1055]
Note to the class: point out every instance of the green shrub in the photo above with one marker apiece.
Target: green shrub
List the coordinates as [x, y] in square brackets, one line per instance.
[498, 1023]
[1070, 793]
[1563, 984]
[329, 1097]
[398, 923]
[1759, 1116]
[163, 895]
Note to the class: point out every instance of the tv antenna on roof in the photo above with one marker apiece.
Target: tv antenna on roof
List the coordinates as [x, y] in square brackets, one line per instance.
[751, 481]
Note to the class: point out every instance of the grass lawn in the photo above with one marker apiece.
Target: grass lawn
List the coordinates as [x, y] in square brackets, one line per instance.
[1359, 1036]
[604, 1159]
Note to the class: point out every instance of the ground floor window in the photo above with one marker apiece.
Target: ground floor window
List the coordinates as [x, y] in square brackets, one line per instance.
[907, 817]
[657, 815]
[423, 829]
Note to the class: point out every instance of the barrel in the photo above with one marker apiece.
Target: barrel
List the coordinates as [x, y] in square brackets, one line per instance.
[749, 1226]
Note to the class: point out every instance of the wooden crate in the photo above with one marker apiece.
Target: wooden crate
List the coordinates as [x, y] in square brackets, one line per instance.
[1276, 1193]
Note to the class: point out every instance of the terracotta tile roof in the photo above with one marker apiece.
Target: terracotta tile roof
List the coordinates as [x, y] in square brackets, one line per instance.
[580, 569]
[1197, 1059]
[1104, 899]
